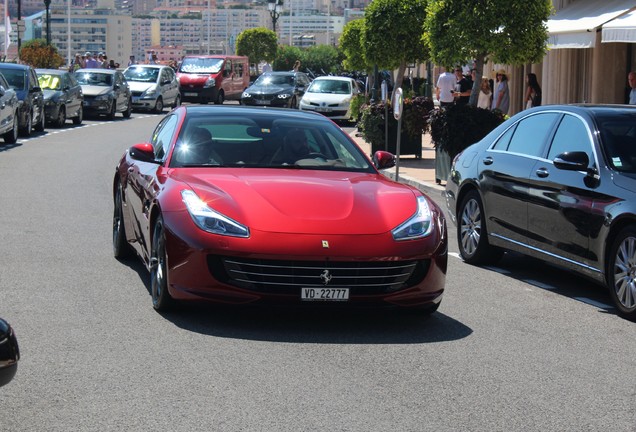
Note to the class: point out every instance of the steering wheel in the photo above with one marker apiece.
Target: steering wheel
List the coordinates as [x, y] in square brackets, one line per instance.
[316, 155]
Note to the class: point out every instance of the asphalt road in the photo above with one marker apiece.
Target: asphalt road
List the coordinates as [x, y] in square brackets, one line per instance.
[517, 347]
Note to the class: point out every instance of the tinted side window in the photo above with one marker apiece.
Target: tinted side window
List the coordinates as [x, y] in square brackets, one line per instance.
[530, 136]
[503, 142]
[571, 136]
[162, 136]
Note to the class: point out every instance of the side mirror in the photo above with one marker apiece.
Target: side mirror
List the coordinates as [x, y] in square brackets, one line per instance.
[572, 161]
[383, 160]
[9, 353]
[143, 152]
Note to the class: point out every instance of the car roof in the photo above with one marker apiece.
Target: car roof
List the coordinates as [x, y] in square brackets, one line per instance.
[52, 71]
[149, 66]
[97, 70]
[14, 66]
[332, 78]
[244, 110]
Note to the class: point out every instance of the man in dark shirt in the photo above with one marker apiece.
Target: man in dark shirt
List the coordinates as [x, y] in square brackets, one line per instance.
[462, 89]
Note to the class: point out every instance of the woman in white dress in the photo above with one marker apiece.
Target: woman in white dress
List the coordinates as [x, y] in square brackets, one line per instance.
[485, 94]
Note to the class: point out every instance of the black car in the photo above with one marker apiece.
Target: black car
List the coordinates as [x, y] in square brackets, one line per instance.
[9, 105]
[24, 81]
[63, 96]
[106, 92]
[557, 183]
[277, 89]
[9, 353]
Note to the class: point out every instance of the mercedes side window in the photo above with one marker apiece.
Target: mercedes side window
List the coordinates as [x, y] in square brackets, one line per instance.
[572, 135]
[531, 134]
[504, 141]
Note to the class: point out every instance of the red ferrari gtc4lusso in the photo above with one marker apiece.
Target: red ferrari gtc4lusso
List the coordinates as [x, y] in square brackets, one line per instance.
[239, 205]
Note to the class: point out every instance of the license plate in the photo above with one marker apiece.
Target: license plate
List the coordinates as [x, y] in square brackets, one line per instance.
[261, 102]
[190, 94]
[324, 294]
[320, 109]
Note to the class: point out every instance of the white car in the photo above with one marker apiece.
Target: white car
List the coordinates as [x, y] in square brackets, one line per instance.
[330, 96]
[153, 87]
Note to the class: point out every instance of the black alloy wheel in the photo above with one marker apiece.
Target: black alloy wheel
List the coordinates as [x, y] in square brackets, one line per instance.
[472, 236]
[161, 299]
[621, 277]
[121, 248]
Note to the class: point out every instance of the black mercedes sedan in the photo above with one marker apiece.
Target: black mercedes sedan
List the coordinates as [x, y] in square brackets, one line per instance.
[277, 89]
[557, 183]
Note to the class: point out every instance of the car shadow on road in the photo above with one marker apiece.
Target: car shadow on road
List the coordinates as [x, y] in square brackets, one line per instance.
[318, 325]
[554, 279]
[6, 147]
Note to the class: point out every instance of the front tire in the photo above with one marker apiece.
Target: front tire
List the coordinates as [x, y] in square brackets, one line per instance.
[26, 130]
[159, 106]
[128, 111]
[472, 235]
[177, 101]
[621, 277]
[161, 299]
[220, 98]
[12, 136]
[61, 117]
[42, 123]
[121, 248]
[80, 116]
[113, 111]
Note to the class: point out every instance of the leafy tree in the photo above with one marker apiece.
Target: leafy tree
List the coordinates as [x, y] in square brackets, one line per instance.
[511, 32]
[257, 44]
[350, 43]
[287, 56]
[322, 58]
[392, 34]
[38, 54]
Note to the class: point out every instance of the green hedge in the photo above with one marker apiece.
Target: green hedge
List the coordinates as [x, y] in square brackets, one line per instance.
[456, 127]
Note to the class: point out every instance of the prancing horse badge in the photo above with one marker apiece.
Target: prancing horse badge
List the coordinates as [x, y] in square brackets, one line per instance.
[325, 244]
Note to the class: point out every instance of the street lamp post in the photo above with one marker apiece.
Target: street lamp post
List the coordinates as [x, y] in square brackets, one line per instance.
[47, 4]
[274, 7]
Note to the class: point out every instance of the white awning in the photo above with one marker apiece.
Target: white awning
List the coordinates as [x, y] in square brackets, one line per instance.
[622, 29]
[575, 25]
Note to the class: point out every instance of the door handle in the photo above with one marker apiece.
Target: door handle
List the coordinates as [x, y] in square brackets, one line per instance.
[487, 161]
[542, 173]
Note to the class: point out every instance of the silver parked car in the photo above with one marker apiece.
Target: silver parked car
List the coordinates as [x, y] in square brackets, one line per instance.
[153, 87]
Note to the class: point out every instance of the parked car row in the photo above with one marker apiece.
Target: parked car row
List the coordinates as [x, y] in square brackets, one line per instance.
[31, 99]
[327, 95]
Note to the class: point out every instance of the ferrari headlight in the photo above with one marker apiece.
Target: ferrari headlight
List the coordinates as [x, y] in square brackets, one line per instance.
[209, 220]
[417, 226]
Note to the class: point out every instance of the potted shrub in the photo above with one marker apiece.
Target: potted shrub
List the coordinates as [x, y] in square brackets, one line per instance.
[415, 116]
[456, 127]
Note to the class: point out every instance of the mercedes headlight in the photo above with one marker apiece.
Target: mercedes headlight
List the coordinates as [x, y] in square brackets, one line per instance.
[417, 226]
[209, 220]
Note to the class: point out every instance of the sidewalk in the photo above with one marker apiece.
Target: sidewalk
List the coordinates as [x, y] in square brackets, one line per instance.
[411, 170]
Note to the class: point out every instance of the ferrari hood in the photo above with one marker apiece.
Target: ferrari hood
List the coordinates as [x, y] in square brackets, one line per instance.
[90, 90]
[304, 201]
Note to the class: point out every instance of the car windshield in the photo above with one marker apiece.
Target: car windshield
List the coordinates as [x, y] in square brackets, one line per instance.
[94, 78]
[330, 86]
[265, 141]
[269, 79]
[141, 74]
[201, 65]
[15, 78]
[49, 81]
[618, 136]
